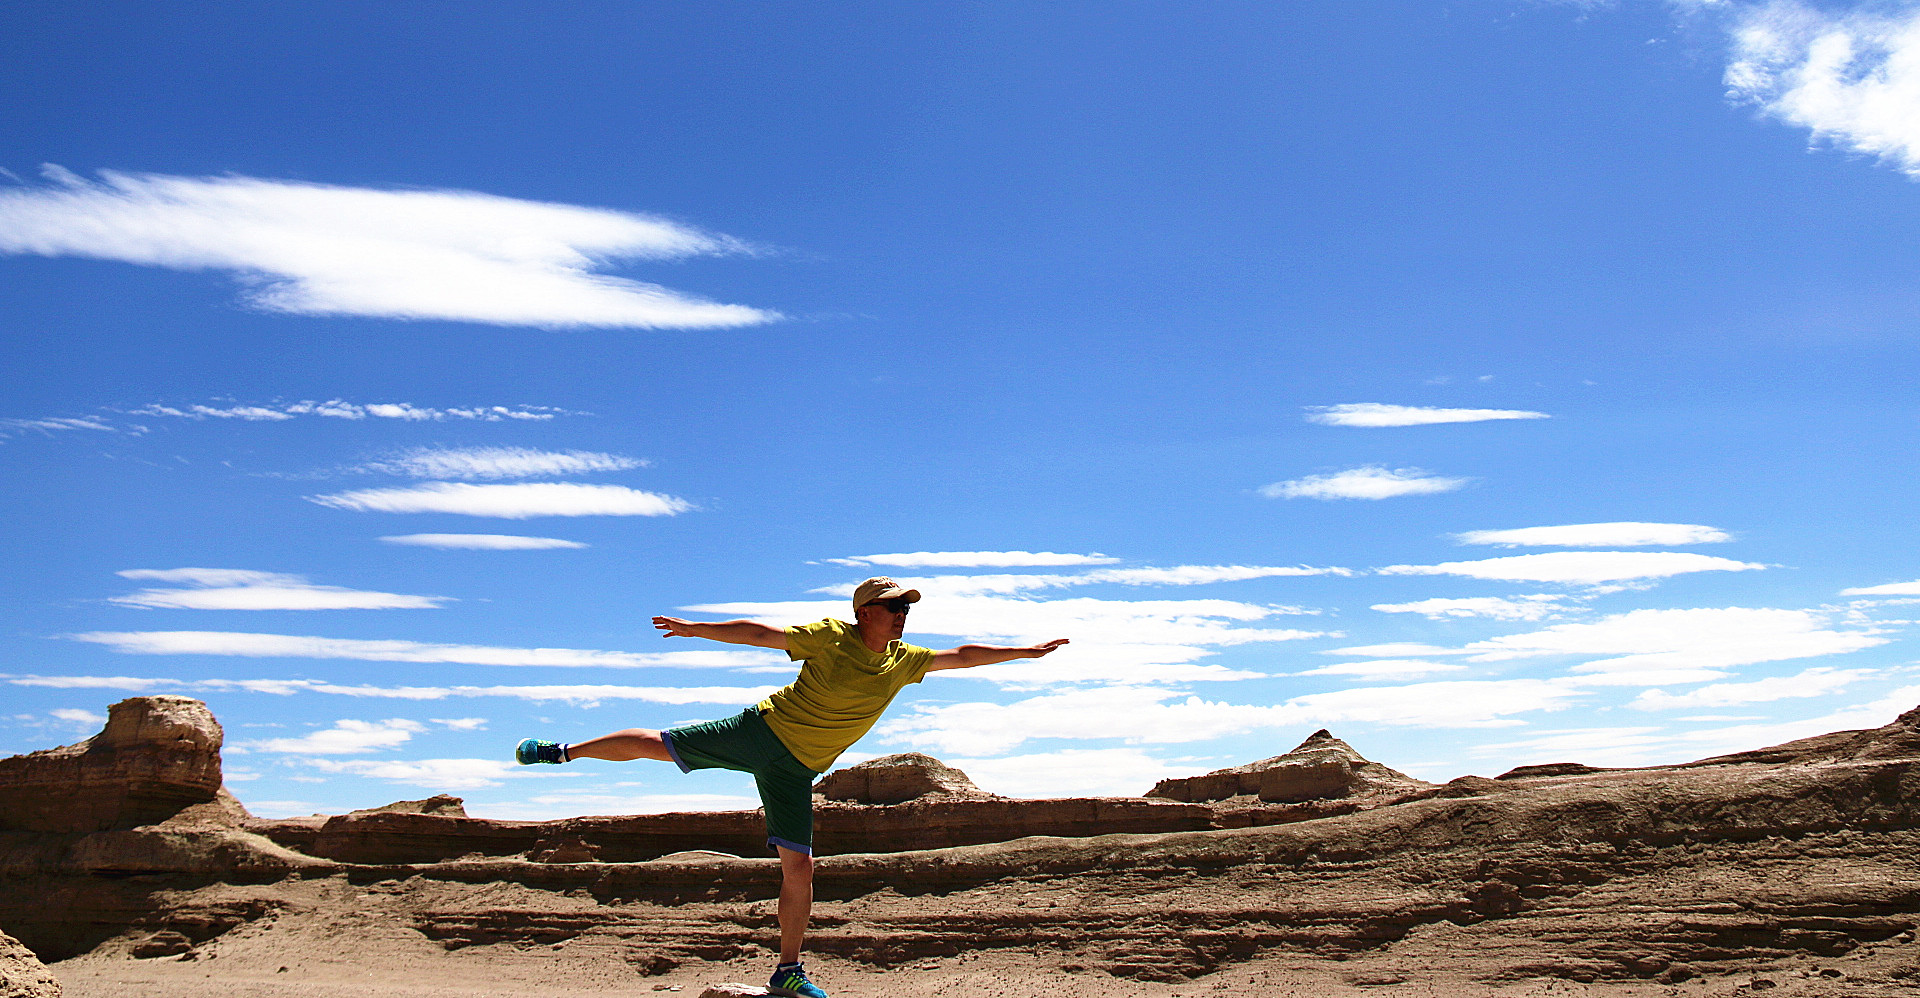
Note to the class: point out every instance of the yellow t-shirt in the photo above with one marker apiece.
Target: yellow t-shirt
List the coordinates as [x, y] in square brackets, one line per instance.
[842, 689]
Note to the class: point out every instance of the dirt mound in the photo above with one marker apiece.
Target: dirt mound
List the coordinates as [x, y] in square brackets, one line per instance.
[1321, 768]
[22, 975]
[156, 757]
[896, 779]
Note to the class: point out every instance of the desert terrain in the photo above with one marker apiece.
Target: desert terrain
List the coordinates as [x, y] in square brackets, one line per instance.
[126, 869]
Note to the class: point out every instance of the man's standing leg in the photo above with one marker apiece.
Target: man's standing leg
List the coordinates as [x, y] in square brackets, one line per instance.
[796, 901]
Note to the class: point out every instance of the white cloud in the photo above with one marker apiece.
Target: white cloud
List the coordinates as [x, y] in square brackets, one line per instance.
[1737, 738]
[1535, 607]
[1112, 772]
[578, 694]
[497, 462]
[1153, 716]
[1382, 414]
[1851, 78]
[434, 774]
[1599, 535]
[1815, 682]
[461, 723]
[1369, 482]
[481, 542]
[1890, 589]
[548, 807]
[1177, 575]
[1700, 639]
[239, 589]
[76, 716]
[1580, 567]
[340, 409]
[346, 737]
[313, 249]
[973, 559]
[513, 502]
[50, 425]
[1616, 746]
[1383, 668]
[1394, 649]
[250, 645]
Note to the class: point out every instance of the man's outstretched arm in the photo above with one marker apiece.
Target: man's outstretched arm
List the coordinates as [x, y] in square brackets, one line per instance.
[968, 656]
[733, 632]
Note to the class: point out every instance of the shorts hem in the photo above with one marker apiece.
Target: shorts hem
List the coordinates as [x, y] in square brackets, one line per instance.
[667, 738]
[775, 840]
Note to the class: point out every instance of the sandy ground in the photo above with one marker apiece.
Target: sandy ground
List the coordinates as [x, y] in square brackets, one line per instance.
[301, 958]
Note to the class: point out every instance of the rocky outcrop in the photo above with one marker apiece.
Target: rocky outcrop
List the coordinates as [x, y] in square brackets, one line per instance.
[1321, 768]
[156, 757]
[22, 975]
[441, 804]
[896, 779]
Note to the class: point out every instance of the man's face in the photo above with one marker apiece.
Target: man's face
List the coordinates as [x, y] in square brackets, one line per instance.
[890, 615]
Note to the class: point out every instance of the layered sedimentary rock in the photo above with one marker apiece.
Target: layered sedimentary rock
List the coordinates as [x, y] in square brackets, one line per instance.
[1321, 768]
[156, 756]
[1798, 856]
[896, 779]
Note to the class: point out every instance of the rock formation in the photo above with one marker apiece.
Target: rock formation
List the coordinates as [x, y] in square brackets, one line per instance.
[896, 779]
[157, 756]
[1321, 768]
[441, 804]
[22, 975]
[1788, 860]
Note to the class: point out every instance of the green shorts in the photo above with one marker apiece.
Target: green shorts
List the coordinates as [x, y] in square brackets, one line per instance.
[743, 742]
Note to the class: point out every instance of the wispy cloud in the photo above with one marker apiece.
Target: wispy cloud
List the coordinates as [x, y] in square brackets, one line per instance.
[1107, 772]
[481, 542]
[1599, 535]
[1159, 716]
[1373, 414]
[581, 694]
[1851, 77]
[273, 412]
[1384, 668]
[973, 559]
[1815, 682]
[1177, 575]
[249, 645]
[1369, 482]
[1580, 567]
[1535, 607]
[315, 249]
[496, 462]
[1658, 647]
[1890, 589]
[513, 502]
[238, 589]
[346, 737]
[433, 774]
[51, 425]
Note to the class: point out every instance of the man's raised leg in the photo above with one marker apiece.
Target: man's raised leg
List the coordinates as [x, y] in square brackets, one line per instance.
[622, 746]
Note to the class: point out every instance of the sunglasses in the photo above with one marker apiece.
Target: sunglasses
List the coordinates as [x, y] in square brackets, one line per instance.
[898, 606]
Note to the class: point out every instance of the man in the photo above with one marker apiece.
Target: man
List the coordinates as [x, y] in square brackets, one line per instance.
[848, 675]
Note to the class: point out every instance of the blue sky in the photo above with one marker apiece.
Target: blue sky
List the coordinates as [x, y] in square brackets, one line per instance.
[1490, 382]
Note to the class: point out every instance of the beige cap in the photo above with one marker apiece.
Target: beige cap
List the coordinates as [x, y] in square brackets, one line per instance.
[880, 587]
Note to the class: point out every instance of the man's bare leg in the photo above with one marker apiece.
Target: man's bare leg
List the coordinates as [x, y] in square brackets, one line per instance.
[622, 746]
[796, 901]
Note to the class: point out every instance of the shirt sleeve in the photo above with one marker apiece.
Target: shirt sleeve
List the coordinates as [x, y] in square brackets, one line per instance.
[804, 641]
[916, 661]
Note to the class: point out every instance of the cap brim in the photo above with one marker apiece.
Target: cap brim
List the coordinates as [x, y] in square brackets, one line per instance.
[910, 595]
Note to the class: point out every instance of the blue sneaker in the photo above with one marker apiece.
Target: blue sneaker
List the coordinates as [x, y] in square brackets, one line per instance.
[534, 750]
[791, 980]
